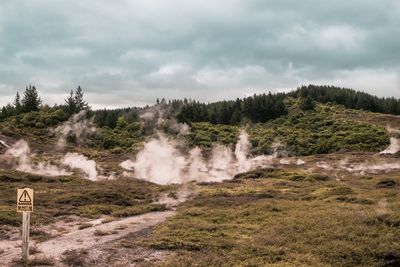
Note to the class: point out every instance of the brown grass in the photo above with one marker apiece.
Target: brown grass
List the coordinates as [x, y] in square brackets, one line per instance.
[276, 220]
[74, 258]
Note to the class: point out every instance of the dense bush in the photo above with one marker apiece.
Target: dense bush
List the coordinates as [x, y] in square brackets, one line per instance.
[120, 137]
[205, 134]
[39, 119]
[302, 133]
[318, 133]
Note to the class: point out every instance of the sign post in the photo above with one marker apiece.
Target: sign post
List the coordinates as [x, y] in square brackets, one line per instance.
[25, 205]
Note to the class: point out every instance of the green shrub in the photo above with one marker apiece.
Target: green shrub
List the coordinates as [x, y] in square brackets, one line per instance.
[59, 115]
[97, 209]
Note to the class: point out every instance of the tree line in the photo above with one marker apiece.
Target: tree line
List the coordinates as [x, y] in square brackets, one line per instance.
[349, 98]
[264, 107]
[31, 102]
[257, 108]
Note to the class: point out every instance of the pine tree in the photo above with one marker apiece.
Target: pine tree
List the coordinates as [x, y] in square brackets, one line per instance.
[307, 104]
[79, 101]
[17, 104]
[31, 100]
[71, 104]
[111, 120]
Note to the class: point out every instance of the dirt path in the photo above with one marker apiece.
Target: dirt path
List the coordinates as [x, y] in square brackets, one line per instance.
[86, 238]
[101, 233]
[98, 233]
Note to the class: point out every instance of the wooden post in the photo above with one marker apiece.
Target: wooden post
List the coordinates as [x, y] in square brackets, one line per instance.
[26, 217]
[25, 205]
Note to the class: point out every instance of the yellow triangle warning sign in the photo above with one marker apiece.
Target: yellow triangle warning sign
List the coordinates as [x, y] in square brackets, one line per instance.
[25, 200]
[25, 197]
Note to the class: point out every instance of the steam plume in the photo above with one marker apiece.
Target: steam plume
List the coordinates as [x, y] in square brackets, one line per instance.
[161, 162]
[21, 151]
[77, 126]
[77, 161]
[393, 148]
[369, 167]
[241, 152]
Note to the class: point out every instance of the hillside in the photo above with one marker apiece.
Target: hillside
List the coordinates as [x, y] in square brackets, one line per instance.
[307, 181]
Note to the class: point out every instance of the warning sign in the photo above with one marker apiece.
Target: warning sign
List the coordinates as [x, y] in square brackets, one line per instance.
[25, 200]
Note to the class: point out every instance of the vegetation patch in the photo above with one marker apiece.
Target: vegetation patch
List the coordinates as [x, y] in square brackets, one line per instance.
[387, 183]
[39, 235]
[77, 196]
[228, 225]
[325, 192]
[136, 210]
[75, 258]
[102, 233]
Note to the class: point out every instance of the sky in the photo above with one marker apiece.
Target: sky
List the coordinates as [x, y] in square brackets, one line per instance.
[130, 52]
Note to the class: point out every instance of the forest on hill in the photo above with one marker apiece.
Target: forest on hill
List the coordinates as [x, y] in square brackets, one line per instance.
[264, 107]
[253, 109]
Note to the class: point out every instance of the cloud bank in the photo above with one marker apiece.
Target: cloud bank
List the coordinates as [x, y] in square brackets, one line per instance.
[130, 52]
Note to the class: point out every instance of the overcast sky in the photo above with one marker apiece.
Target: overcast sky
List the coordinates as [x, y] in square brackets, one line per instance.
[129, 52]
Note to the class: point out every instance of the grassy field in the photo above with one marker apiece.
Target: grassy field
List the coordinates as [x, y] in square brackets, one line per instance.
[57, 197]
[286, 218]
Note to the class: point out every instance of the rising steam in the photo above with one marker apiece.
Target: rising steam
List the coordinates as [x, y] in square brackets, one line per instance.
[76, 127]
[80, 162]
[22, 153]
[161, 162]
[368, 167]
[393, 148]
[242, 151]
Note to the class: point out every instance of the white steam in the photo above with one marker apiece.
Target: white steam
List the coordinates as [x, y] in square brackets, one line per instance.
[393, 148]
[77, 161]
[21, 151]
[24, 163]
[300, 162]
[181, 128]
[162, 117]
[371, 166]
[242, 151]
[285, 162]
[368, 167]
[324, 165]
[221, 165]
[393, 130]
[289, 161]
[77, 125]
[161, 162]
[197, 167]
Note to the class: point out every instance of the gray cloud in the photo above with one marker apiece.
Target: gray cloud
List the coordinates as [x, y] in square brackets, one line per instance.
[130, 52]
